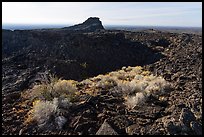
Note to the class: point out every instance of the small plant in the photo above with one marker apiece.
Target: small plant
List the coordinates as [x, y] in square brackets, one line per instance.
[51, 98]
[54, 96]
[43, 89]
[54, 87]
[43, 110]
[66, 88]
[84, 65]
[143, 87]
[137, 85]
[47, 113]
[106, 83]
[132, 101]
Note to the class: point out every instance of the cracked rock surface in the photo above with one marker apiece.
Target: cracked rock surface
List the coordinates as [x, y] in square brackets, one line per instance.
[175, 57]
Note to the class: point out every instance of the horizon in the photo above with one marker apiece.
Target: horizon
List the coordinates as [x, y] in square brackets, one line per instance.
[120, 27]
[160, 14]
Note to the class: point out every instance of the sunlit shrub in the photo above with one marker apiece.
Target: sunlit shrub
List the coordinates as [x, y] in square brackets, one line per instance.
[134, 84]
[46, 113]
[43, 110]
[140, 85]
[106, 83]
[54, 88]
[143, 87]
[132, 101]
[51, 98]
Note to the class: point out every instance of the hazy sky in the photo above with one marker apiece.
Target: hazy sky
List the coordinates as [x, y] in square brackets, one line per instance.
[110, 13]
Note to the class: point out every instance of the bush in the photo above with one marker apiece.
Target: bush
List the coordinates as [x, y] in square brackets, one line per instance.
[54, 95]
[65, 88]
[43, 110]
[51, 98]
[145, 87]
[47, 113]
[53, 88]
[106, 83]
[140, 85]
[132, 101]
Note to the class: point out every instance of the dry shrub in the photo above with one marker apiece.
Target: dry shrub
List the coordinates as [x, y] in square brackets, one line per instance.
[43, 110]
[157, 86]
[47, 113]
[140, 85]
[143, 87]
[50, 98]
[133, 83]
[106, 83]
[54, 87]
[132, 101]
[66, 88]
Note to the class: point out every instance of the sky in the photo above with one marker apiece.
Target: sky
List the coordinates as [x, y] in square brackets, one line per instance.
[187, 14]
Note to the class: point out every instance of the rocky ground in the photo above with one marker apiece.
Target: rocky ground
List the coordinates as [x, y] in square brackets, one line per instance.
[175, 57]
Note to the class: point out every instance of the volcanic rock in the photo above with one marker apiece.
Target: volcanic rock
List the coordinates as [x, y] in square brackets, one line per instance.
[81, 52]
[90, 25]
[106, 129]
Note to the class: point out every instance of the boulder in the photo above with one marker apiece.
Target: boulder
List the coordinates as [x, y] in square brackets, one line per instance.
[106, 129]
